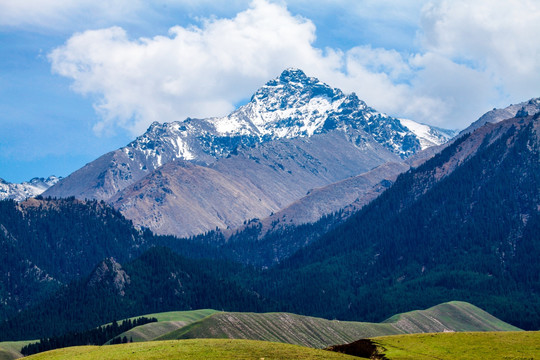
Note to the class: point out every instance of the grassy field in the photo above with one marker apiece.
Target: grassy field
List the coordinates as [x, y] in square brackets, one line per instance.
[320, 333]
[167, 322]
[204, 349]
[523, 345]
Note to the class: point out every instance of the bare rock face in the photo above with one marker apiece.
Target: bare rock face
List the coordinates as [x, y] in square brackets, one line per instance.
[186, 199]
[295, 134]
[109, 274]
[350, 194]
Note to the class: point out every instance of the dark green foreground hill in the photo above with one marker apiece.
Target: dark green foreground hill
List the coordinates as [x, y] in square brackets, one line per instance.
[159, 280]
[46, 243]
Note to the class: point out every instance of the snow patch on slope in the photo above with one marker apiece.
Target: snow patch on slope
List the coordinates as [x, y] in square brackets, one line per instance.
[427, 135]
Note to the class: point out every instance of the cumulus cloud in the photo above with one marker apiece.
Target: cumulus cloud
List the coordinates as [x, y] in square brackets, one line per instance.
[471, 58]
[496, 38]
[194, 71]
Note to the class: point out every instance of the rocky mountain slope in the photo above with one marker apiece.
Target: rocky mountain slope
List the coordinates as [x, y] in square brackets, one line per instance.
[525, 108]
[185, 199]
[323, 134]
[26, 189]
[350, 194]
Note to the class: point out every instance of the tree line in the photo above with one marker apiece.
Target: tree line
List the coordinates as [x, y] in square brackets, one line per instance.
[97, 336]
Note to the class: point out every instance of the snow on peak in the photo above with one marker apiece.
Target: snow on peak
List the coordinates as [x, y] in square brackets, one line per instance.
[291, 105]
[26, 189]
[293, 75]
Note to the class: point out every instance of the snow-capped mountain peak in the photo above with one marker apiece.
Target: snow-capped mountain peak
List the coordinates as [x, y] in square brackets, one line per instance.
[291, 105]
[26, 189]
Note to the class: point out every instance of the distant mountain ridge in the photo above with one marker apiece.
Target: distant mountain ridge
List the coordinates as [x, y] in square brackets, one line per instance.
[294, 120]
[523, 109]
[26, 189]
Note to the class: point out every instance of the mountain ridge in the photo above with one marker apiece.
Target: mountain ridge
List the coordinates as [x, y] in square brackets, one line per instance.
[291, 109]
[26, 189]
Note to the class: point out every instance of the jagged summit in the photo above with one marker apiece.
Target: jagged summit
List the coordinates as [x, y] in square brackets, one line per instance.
[294, 75]
[296, 82]
[291, 106]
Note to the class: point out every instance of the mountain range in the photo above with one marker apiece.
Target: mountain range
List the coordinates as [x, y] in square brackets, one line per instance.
[295, 134]
[460, 226]
[303, 200]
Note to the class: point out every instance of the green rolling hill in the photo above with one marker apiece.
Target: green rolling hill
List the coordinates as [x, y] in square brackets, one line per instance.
[200, 349]
[167, 322]
[319, 333]
[455, 316]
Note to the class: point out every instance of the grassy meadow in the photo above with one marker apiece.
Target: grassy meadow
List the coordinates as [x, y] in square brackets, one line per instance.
[200, 349]
[522, 345]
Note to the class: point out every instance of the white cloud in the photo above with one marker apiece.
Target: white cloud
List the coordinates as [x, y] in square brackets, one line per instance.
[496, 38]
[194, 71]
[471, 58]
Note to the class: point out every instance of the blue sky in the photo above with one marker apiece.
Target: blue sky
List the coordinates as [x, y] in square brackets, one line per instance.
[79, 79]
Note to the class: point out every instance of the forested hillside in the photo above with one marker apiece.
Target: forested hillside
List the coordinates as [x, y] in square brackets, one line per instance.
[157, 281]
[462, 226]
[53, 241]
